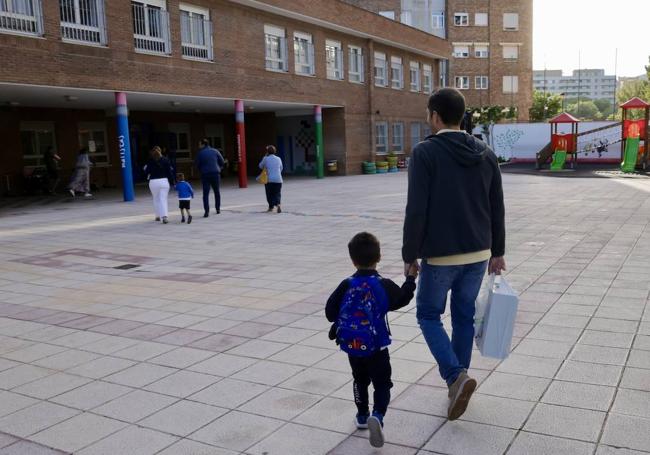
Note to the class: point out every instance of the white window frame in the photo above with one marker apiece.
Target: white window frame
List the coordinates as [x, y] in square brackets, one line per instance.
[35, 127]
[427, 78]
[437, 21]
[481, 50]
[17, 22]
[397, 132]
[415, 78]
[143, 38]
[461, 19]
[381, 69]
[195, 15]
[304, 57]
[511, 84]
[99, 159]
[356, 60]
[481, 82]
[481, 19]
[510, 51]
[73, 30]
[396, 73]
[416, 138]
[277, 63]
[461, 51]
[381, 140]
[334, 60]
[511, 21]
[461, 82]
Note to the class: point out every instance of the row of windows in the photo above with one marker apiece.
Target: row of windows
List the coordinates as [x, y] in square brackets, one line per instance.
[420, 76]
[510, 83]
[417, 130]
[509, 51]
[510, 20]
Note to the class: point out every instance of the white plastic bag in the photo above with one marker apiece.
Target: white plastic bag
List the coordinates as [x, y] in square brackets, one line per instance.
[496, 320]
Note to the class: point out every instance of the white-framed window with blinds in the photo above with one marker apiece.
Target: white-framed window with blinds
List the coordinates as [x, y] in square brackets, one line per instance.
[414, 76]
[303, 49]
[510, 84]
[381, 137]
[275, 44]
[83, 21]
[397, 142]
[510, 51]
[381, 69]
[334, 60]
[356, 66]
[396, 73]
[21, 17]
[461, 50]
[461, 19]
[511, 21]
[35, 139]
[437, 21]
[461, 82]
[416, 133]
[481, 82]
[93, 136]
[481, 19]
[481, 50]
[196, 32]
[151, 32]
[427, 78]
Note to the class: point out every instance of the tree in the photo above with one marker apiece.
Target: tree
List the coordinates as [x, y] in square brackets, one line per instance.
[604, 107]
[545, 105]
[586, 110]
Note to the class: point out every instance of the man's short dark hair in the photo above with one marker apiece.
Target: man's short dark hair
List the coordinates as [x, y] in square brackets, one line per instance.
[449, 104]
[364, 249]
[204, 141]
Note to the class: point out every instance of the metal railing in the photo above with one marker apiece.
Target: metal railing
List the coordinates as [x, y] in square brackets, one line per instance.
[83, 21]
[23, 17]
[151, 29]
[196, 37]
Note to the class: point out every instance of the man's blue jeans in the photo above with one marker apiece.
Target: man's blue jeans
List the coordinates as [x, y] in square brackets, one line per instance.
[464, 282]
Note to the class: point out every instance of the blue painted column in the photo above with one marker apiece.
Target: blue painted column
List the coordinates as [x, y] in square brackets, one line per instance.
[124, 144]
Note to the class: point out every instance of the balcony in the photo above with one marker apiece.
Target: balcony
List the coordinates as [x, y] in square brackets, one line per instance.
[196, 37]
[151, 30]
[83, 22]
[22, 17]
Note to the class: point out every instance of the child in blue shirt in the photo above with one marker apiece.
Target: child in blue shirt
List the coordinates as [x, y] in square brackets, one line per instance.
[185, 195]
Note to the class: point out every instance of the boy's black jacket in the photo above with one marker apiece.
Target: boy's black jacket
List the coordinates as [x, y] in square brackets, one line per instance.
[455, 199]
[397, 297]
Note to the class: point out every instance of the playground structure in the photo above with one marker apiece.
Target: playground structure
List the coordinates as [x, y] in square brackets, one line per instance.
[635, 131]
[564, 148]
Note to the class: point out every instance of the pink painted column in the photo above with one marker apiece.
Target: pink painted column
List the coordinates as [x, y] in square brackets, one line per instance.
[240, 136]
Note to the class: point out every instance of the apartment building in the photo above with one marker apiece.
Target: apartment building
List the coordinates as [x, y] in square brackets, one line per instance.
[185, 68]
[585, 83]
[491, 59]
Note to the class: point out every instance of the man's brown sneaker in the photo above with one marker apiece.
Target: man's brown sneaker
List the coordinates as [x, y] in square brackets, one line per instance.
[459, 394]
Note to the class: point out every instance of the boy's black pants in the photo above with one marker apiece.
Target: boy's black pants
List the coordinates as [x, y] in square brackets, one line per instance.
[375, 369]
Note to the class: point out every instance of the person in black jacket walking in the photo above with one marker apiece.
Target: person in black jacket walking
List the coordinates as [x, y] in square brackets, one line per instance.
[455, 224]
[161, 177]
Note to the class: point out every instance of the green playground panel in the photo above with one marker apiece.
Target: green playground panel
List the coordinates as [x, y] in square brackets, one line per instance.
[631, 154]
[559, 158]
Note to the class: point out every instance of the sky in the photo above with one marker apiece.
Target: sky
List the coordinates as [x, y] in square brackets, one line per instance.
[593, 29]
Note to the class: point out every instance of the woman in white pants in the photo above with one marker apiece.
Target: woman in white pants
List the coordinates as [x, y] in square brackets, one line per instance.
[161, 177]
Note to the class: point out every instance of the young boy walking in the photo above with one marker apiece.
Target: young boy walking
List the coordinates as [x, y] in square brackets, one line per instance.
[185, 195]
[358, 309]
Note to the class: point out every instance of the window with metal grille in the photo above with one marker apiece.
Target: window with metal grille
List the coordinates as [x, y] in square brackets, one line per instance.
[397, 73]
[381, 69]
[275, 48]
[303, 49]
[334, 60]
[356, 68]
[23, 17]
[196, 32]
[414, 76]
[83, 21]
[151, 26]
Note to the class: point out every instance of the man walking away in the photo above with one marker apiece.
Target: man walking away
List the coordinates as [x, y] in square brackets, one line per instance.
[209, 161]
[455, 223]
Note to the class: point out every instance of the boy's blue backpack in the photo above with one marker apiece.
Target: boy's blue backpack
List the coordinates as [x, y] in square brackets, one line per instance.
[361, 329]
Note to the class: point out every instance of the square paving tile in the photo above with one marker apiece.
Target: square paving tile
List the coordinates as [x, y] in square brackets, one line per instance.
[579, 395]
[543, 348]
[222, 365]
[530, 366]
[12, 402]
[280, 403]
[140, 375]
[182, 357]
[639, 359]
[101, 367]
[35, 418]
[514, 386]
[78, 432]
[566, 422]
[267, 372]
[52, 385]
[28, 448]
[295, 439]
[590, 373]
[183, 417]
[259, 349]
[599, 354]
[187, 447]
[237, 430]
[331, 414]
[182, 383]
[134, 406]
[228, 393]
[22, 374]
[500, 411]
[461, 438]
[632, 402]
[609, 339]
[91, 395]
[317, 381]
[132, 440]
[627, 431]
[636, 378]
[538, 444]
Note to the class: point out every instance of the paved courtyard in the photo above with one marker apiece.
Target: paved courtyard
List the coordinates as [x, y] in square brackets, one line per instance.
[122, 336]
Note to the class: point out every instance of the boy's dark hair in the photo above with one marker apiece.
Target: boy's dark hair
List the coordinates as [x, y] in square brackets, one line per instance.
[180, 176]
[449, 104]
[364, 249]
[204, 142]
